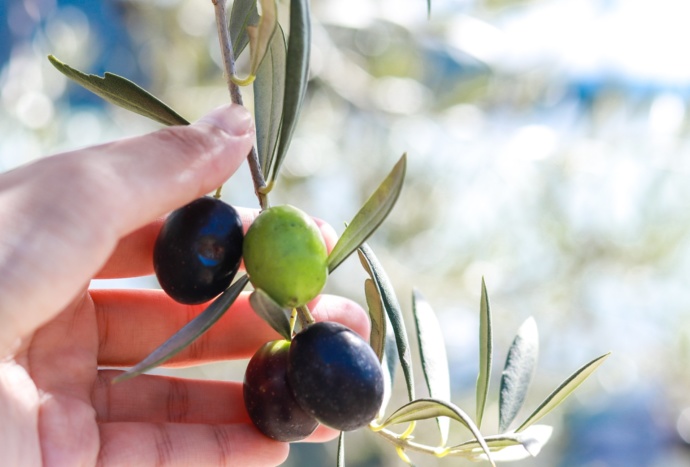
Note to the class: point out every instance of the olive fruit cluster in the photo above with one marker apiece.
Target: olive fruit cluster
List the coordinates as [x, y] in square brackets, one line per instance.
[327, 374]
[198, 250]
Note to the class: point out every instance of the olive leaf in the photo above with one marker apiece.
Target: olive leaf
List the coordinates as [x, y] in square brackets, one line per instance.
[377, 335]
[518, 372]
[341, 450]
[243, 15]
[269, 88]
[122, 92]
[422, 409]
[432, 351]
[190, 332]
[485, 353]
[381, 328]
[276, 316]
[296, 77]
[508, 446]
[260, 35]
[390, 355]
[563, 391]
[370, 216]
[393, 311]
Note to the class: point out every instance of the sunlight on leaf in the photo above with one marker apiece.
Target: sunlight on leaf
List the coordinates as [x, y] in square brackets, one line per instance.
[123, 93]
[508, 446]
[422, 409]
[390, 363]
[517, 374]
[432, 350]
[189, 333]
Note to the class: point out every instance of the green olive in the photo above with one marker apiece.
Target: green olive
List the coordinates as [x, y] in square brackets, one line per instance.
[285, 255]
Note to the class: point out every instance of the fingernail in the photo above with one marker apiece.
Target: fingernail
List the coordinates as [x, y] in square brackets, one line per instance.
[234, 119]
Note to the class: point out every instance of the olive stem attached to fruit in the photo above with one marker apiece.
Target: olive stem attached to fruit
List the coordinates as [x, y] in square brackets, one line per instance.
[236, 96]
[305, 316]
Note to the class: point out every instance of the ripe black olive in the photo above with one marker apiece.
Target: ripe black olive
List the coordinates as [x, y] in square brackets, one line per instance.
[198, 250]
[268, 399]
[335, 376]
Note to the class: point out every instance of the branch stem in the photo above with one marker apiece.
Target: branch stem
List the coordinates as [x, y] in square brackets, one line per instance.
[236, 96]
[406, 444]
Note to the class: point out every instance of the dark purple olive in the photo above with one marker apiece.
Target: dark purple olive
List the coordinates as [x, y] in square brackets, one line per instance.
[335, 376]
[198, 250]
[268, 399]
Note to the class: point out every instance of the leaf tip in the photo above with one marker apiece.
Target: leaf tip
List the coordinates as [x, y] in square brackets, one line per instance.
[529, 328]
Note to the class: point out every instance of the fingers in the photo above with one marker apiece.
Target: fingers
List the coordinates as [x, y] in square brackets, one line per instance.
[160, 399]
[176, 444]
[133, 255]
[322, 434]
[132, 323]
[71, 210]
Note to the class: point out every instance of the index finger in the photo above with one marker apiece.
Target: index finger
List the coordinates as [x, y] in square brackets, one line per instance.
[72, 209]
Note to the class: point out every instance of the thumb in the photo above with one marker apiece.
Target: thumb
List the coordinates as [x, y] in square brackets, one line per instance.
[155, 173]
[62, 216]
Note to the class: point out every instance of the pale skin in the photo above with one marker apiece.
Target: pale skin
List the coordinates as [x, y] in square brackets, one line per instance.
[95, 213]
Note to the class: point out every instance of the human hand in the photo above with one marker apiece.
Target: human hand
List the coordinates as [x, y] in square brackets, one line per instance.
[95, 213]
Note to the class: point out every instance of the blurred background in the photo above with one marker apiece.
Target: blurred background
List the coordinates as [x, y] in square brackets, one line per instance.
[548, 151]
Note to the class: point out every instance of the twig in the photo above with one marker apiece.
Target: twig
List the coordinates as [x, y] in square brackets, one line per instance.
[236, 96]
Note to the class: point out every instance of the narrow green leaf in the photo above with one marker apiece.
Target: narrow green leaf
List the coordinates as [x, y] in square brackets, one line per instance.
[377, 315]
[390, 347]
[518, 372]
[393, 311]
[260, 36]
[370, 216]
[563, 391]
[390, 356]
[422, 409]
[432, 351]
[269, 88]
[508, 446]
[123, 93]
[189, 333]
[276, 316]
[485, 353]
[243, 15]
[296, 77]
[341, 450]
[428, 8]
